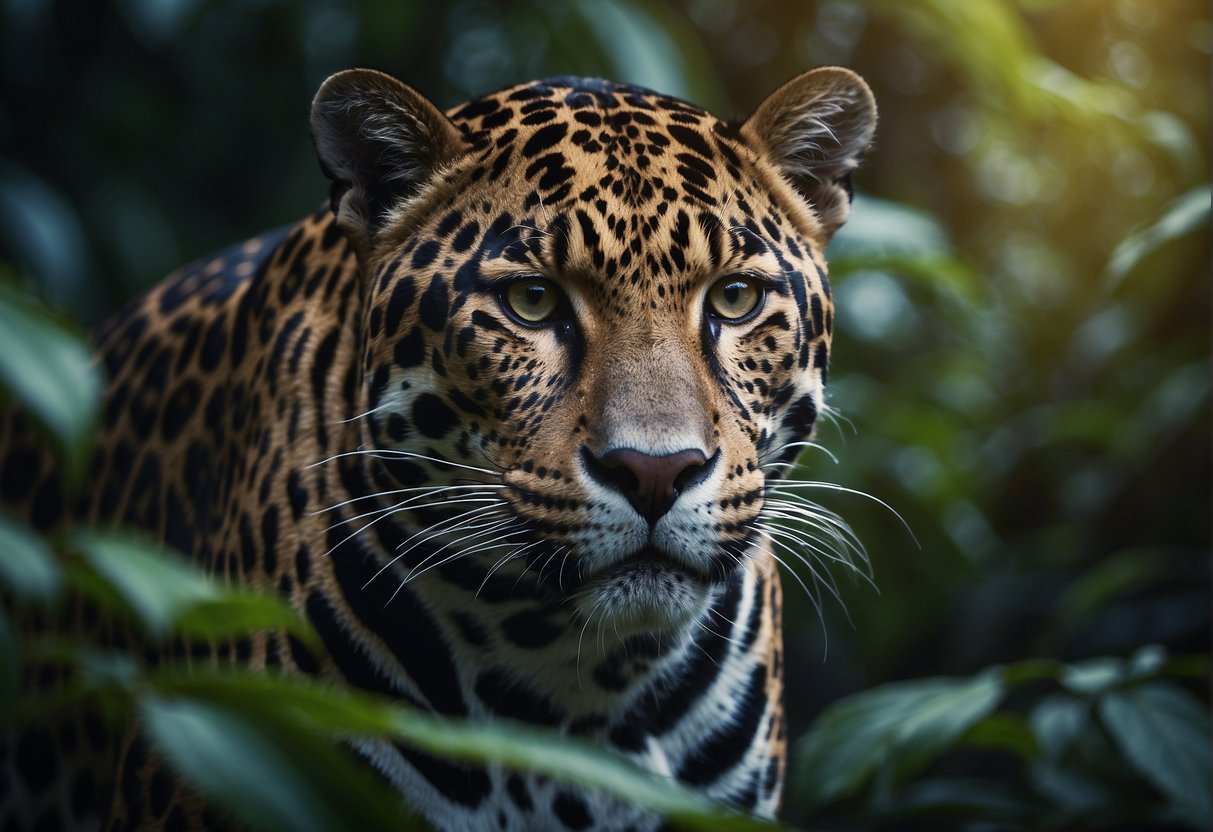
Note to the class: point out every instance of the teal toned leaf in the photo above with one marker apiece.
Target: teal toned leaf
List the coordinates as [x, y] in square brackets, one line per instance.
[1148, 660]
[157, 586]
[889, 236]
[1057, 721]
[571, 761]
[1164, 732]
[51, 372]
[881, 228]
[1186, 214]
[270, 776]
[169, 596]
[327, 711]
[1094, 675]
[28, 567]
[902, 725]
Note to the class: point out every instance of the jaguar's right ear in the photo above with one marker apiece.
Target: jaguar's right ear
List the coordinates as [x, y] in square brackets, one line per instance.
[379, 141]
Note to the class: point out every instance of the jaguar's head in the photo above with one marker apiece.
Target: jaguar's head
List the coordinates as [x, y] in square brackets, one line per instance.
[600, 311]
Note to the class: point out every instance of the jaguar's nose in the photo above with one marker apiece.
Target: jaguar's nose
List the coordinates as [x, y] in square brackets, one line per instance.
[650, 483]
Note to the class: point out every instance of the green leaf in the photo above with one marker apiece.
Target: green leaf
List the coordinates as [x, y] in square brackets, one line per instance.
[900, 725]
[10, 670]
[1184, 215]
[1164, 732]
[106, 678]
[28, 567]
[157, 586]
[882, 228]
[1147, 660]
[324, 710]
[892, 237]
[1094, 675]
[1057, 721]
[271, 776]
[170, 597]
[51, 372]
[236, 612]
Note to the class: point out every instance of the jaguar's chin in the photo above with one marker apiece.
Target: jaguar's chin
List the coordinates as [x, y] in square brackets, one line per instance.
[647, 592]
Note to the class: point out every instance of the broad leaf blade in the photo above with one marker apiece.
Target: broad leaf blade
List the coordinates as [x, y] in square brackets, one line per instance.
[1164, 732]
[1187, 213]
[169, 596]
[1057, 722]
[51, 372]
[339, 713]
[266, 771]
[157, 586]
[899, 725]
[236, 613]
[28, 568]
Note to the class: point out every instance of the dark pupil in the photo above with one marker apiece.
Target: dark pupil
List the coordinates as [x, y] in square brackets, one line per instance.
[534, 295]
[732, 292]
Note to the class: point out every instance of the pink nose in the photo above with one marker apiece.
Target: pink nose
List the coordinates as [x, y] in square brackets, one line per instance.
[650, 483]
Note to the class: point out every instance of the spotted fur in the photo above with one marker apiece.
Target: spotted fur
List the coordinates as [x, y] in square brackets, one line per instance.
[559, 524]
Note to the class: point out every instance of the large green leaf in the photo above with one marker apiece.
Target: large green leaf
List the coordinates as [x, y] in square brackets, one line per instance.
[882, 235]
[168, 596]
[1164, 732]
[28, 568]
[157, 588]
[1057, 721]
[1187, 213]
[898, 726]
[317, 709]
[271, 776]
[51, 372]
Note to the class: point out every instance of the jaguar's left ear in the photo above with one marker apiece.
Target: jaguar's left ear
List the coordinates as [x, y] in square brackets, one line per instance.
[814, 129]
[380, 142]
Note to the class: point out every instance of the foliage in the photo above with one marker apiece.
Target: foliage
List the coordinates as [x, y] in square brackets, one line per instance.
[1049, 723]
[1021, 362]
[64, 390]
[271, 749]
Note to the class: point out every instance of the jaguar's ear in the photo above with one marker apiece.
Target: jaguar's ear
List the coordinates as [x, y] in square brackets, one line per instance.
[814, 129]
[379, 141]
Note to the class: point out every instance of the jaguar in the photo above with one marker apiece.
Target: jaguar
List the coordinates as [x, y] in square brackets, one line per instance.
[502, 420]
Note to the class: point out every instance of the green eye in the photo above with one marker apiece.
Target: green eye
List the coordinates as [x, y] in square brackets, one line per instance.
[534, 300]
[732, 298]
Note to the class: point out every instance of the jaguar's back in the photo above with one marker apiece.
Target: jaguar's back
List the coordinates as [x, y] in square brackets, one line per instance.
[499, 425]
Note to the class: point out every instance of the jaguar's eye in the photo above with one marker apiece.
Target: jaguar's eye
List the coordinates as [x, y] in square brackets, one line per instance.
[534, 300]
[732, 298]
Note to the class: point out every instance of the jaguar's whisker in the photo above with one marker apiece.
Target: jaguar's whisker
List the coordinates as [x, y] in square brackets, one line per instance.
[427, 489]
[418, 571]
[384, 406]
[361, 529]
[395, 453]
[430, 532]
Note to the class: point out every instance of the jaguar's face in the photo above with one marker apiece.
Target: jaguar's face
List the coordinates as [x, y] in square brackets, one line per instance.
[615, 308]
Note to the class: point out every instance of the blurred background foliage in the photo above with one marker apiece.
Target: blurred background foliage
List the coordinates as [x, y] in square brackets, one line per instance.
[1022, 363]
